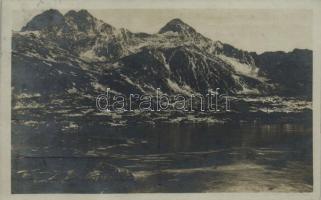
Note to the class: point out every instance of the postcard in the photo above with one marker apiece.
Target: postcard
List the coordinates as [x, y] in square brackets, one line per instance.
[160, 99]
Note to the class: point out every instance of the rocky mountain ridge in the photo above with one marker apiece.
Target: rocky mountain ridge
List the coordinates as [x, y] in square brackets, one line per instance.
[89, 55]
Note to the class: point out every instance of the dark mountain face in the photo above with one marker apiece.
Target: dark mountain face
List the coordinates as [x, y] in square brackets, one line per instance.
[50, 20]
[173, 70]
[230, 51]
[42, 67]
[292, 71]
[178, 26]
[81, 34]
[81, 21]
[77, 52]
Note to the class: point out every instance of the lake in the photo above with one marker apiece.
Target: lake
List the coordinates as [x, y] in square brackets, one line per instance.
[57, 157]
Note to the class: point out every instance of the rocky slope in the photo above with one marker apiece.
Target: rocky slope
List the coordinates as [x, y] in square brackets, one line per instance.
[76, 54]
[65, 61]
[291, 72]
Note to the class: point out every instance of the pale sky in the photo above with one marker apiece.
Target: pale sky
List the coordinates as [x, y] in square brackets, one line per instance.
[251, 30]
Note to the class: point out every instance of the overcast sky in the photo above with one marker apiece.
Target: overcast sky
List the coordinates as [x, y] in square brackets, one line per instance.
[251, 30]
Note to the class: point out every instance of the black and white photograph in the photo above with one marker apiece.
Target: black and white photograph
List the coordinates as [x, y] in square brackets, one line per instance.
[161, 100]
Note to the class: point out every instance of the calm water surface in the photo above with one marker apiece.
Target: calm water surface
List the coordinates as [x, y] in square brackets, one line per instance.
[168, 158]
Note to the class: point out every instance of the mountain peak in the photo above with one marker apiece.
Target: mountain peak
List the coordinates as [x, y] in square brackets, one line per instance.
[81, 20]
[176, 21]
[46, 20]
[81, 14]
[178, 26]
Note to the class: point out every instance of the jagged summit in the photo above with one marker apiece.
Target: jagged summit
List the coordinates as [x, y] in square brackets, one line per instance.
[81, 20]
[177, 59]
[52, 21]
[176, 21]
[81, 14]
[105, 42]
[178, 26]
[47, 20]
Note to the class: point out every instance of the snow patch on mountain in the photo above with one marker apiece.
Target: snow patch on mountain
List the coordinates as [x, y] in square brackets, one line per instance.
[31, 33]
[245, 88]
[241, 68]
[90, 55]
[186, 90]
[165, 63]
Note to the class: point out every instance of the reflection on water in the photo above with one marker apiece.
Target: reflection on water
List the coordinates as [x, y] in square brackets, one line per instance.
[169, 158]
